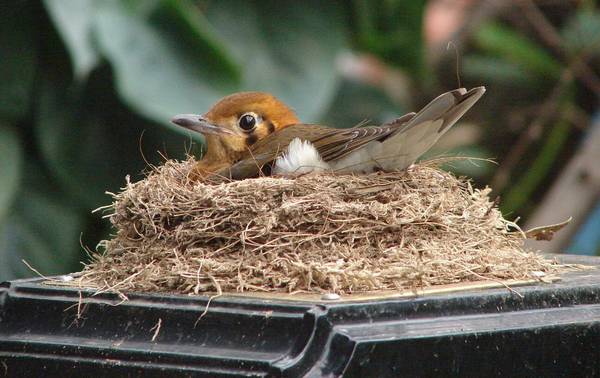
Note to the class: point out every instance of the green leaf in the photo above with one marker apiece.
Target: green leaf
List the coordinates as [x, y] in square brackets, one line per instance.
[158, 72]
[355, 103]
[10, 167]
[494, 70]
[520, 193]
[43, 228]
[90, 141]
[581, 34]
[17, 58]
[286, 48]
[74, 20]
[392, 30]
[194, 29]
[503, 42]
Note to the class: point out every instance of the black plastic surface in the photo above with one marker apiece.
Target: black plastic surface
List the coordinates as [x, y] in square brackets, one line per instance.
[554, 330]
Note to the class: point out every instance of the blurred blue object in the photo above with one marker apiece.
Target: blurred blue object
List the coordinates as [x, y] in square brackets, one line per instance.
[587, 238]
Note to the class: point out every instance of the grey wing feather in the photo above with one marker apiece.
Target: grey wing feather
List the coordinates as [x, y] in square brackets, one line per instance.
[418, 135]
[450, 107]
[357, 137]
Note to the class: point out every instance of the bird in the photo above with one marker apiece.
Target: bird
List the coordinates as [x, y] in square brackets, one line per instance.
[250, 134]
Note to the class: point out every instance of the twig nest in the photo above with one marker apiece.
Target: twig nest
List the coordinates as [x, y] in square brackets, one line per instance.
[314, 233]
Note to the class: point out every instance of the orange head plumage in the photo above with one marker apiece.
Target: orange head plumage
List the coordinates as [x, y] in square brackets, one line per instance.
[235, 123]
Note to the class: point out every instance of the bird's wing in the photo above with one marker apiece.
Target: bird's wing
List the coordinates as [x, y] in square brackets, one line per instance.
[414, 138]
[344, 141]
[448, 107]
[403, 140]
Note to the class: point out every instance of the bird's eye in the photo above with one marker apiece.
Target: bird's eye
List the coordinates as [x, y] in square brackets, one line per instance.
[247, 122]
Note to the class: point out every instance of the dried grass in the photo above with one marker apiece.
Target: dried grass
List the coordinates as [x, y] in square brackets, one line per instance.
[315, 233]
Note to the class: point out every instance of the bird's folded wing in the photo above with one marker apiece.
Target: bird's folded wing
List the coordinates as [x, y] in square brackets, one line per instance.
[448, 107]
[417, 136]
[345, 141]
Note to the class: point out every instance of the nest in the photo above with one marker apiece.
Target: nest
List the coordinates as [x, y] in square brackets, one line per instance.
[314, 233]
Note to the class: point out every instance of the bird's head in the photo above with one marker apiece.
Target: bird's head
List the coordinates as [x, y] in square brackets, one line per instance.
[237, 121]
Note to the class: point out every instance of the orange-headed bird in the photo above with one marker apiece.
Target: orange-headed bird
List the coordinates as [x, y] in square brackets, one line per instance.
[253, 133]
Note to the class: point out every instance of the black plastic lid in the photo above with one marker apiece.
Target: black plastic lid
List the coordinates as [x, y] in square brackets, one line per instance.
[553, 330]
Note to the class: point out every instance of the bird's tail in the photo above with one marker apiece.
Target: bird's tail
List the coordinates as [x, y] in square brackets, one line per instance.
[422, 131]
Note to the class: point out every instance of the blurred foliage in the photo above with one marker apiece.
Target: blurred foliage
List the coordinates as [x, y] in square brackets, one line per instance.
[392, 30]
[540, 64]
[89, 86]
[507, 45]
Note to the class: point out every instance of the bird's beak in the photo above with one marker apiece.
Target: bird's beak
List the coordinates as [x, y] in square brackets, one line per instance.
[197, 123]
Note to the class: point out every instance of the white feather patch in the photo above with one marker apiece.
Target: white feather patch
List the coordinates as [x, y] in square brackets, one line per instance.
[301, 157]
